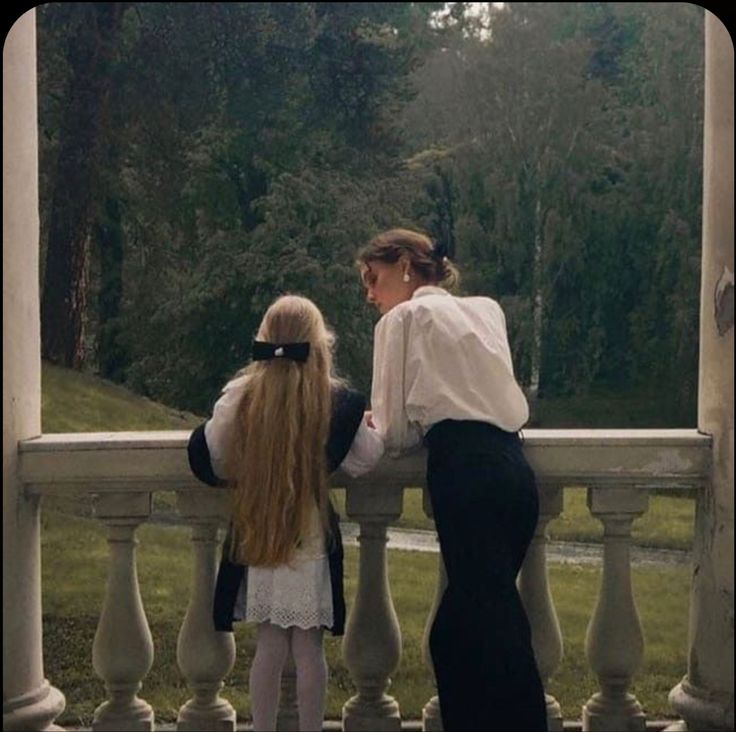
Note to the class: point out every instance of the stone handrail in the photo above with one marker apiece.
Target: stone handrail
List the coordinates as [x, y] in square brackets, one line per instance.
[122, 470]
[150, 461]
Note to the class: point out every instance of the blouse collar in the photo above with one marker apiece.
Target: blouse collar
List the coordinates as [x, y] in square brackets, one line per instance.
[429, 290]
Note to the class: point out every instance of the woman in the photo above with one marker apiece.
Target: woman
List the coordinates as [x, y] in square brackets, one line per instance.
[442, 375]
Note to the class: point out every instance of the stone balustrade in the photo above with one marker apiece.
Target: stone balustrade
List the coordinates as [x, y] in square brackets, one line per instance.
[123, 470]
[122, 652]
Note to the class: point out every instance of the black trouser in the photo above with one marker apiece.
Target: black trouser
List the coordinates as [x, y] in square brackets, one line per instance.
[485, 505]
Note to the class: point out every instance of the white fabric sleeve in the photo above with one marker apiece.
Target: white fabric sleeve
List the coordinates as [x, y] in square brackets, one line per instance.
[364, 453]
[218, 428]
[388, 392]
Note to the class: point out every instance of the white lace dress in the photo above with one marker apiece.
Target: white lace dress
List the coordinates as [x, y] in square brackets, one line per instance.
[298, 593]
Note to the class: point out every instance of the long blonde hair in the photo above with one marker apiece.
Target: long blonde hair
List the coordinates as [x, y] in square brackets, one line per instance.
[276, 457]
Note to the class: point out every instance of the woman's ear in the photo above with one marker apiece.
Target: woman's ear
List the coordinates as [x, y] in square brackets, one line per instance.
[404, 267]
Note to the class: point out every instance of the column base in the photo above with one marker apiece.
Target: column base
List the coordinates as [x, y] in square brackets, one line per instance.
[618, 714]
[554, 714]
[218, 717]
[34, 711]
[134, 716]
[361, 715]
[701, 708]
[431, 716]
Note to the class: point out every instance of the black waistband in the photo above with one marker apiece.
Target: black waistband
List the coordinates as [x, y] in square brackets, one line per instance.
[463, 435]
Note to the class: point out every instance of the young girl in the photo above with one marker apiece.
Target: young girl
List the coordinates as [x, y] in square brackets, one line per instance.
[442, 375]
[277, 431]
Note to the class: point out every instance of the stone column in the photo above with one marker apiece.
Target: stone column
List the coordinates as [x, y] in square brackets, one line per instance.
[431, 715]
[122, 652]
[614, 643]
[29, 701]
[705, 697]
[372, 643]
[534, 590]
[205, 656]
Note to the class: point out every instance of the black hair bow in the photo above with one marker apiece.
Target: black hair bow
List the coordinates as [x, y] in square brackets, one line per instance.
[263, 351]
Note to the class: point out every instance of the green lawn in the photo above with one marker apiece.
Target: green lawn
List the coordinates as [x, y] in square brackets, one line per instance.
[72, 401]
[74, 575]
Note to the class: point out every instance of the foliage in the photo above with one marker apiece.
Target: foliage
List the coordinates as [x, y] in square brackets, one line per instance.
[249, 149]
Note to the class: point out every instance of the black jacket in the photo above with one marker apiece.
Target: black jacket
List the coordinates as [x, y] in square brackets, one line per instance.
[347, 412]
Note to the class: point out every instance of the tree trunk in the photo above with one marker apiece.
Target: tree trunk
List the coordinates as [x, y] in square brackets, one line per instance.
[111, 355]
[64, 303]
[537, 304]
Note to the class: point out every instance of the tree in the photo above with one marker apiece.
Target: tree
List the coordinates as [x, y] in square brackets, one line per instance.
[90, 51]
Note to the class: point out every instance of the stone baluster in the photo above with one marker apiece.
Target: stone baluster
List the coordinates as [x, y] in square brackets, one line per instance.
[204, 656]
[372, 643]
[534, 590]
[431, 716]
[122, 652]
[614, 642]
[288, 716]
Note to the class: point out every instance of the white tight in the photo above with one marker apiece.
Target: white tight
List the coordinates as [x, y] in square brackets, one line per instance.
[272, 649]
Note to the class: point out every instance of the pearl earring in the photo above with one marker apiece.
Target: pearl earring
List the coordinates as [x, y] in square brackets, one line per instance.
[406, 277]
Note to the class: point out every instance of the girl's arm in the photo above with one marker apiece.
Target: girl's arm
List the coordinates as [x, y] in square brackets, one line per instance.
[200, 460]
[207, 444]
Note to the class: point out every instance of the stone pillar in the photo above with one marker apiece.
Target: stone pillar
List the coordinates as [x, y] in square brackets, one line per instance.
[537, 599]
[431, 714]
[29, 701]
[122, 651]
[204, 656]
[614, 643]
[704, 698]
[372, 643]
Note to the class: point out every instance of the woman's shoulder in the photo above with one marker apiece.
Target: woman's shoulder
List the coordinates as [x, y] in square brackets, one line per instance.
[427, 306]
[394, 318]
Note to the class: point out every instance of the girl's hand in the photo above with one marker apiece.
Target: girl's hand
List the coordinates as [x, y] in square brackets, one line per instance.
[368, 415]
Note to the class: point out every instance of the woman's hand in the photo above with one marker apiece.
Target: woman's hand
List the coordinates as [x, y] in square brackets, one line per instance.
[368, 416]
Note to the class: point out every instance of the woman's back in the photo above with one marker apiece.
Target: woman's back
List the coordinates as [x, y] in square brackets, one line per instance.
[446, 357]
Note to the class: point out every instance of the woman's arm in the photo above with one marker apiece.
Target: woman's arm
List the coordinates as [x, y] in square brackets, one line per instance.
[364, 453]
[388, 392]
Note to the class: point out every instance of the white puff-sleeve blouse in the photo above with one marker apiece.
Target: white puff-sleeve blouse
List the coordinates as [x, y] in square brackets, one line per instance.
[436, 357]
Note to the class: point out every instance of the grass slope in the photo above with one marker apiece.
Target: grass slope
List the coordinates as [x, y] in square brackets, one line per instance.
[73, 401]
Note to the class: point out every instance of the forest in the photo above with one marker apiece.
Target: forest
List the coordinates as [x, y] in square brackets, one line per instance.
[199, 159]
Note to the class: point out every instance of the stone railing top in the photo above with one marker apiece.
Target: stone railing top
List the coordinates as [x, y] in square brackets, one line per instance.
[532, 437]
[155, 461]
